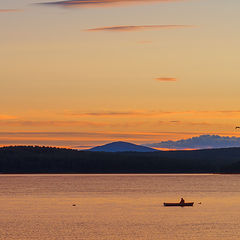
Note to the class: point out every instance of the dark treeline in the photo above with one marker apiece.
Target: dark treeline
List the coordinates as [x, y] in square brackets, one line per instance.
[28, 159]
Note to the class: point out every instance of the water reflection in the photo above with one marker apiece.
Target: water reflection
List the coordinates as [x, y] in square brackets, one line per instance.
[121, 207]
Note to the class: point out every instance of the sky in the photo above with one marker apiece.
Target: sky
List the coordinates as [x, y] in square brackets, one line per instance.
[83, 73]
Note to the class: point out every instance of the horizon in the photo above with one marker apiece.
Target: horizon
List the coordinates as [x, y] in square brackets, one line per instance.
[200, 142]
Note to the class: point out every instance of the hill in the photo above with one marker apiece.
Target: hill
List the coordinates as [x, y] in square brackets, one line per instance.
[122, 147]
[27, 159]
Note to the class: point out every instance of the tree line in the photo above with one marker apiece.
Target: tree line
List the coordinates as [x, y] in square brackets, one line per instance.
[35, 159]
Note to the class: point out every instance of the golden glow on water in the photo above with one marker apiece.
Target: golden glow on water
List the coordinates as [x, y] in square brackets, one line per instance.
[119, 207]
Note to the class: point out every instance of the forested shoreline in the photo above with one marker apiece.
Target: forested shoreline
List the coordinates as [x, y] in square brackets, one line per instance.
[35, 159]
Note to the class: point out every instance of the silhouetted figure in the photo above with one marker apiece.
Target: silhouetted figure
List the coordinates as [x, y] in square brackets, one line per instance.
[182, 201]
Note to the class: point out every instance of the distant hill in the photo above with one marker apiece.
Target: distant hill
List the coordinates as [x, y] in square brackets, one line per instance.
[122, 147]
[200, 142]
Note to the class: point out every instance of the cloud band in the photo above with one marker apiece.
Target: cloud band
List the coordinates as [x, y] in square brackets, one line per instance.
[132, 28]
[103, 3]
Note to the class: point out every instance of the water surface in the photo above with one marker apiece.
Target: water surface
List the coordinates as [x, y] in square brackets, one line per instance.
[119, 207]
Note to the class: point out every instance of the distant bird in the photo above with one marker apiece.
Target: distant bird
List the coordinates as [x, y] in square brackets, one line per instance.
[237, 127]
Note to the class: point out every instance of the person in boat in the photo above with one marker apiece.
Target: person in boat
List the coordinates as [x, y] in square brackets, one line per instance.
[182, 201]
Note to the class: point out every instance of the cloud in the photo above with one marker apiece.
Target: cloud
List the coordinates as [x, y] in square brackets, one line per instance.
[166, 79]
[70, 123]
[132, 28]
[104, 3]
[200, 142]
[106, 123]
[89, 134]
[56, 123]
[117, 114]
[10, 10]
[143, 113]
[110, 114]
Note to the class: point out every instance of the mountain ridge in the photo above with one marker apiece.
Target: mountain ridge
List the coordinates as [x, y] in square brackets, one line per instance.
[121, 146]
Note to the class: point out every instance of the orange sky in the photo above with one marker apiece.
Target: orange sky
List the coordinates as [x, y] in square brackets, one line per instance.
[75, 74]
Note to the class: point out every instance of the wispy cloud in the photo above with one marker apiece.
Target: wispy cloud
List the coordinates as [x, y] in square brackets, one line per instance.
[56, 123]
[191, 114]
[109, 114]
[104, 124]
[104, 3]
[132, 28]
[10, 10]
[122, 114]
[166, 79]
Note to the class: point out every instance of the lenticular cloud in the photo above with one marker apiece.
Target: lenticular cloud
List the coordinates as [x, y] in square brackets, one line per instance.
[103, 3]
[136, 28]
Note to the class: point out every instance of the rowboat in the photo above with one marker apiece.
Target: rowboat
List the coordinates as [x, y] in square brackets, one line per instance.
[186, 204]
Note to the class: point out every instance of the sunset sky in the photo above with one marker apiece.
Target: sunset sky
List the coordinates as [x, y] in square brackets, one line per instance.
[83, 73]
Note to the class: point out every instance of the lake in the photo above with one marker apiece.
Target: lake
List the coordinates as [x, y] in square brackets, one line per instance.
[119, 207]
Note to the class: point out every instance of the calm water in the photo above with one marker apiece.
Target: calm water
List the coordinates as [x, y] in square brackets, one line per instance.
[119, 207]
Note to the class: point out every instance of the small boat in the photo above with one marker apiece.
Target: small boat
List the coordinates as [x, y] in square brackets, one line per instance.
[185, 204]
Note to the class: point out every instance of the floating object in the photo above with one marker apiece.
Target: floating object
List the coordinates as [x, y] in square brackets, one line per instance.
[185, 204]
[200, 203]
[74, 205]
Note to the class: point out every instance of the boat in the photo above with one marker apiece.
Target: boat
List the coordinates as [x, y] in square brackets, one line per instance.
[185, 204]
